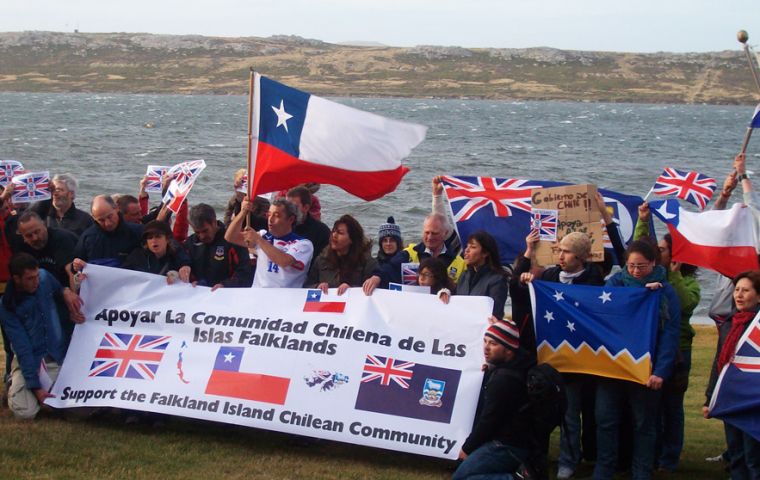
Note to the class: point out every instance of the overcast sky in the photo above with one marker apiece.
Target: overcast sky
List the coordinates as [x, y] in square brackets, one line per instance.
[614, 25]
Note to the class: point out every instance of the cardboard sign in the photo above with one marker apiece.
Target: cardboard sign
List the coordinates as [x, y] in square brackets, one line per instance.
[576, 212]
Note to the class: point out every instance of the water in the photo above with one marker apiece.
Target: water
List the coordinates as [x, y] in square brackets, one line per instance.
[104, 141]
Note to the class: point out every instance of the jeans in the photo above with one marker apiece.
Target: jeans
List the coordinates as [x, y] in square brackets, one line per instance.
[492, 460]
[670, 428]
[610, 396]
[743, 454]
[570, 434]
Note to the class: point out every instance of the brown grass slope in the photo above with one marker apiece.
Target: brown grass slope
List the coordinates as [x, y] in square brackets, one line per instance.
[145, 63]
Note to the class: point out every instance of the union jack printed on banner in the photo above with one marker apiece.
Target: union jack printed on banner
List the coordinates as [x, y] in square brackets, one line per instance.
[124, 355]
[8, 170]
[153, 178]
[31, 187]
[386, 369]
[690, 186]
[500, 195]
[545, 222]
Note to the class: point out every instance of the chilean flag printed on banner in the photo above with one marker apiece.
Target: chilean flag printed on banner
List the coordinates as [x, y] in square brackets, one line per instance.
[720, 240]
[301, 138]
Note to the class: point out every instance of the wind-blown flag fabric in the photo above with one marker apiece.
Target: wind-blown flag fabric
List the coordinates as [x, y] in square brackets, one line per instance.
[304, 138]
[502, 207]
[736, 398]
[185, 175]
[605, 331]
[31, 187]
[690, 186]
[153, 177]
[755, 123]
[720, 240]
[9, 169]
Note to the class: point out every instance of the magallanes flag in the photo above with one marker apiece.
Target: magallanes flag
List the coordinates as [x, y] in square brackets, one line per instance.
[605, 331]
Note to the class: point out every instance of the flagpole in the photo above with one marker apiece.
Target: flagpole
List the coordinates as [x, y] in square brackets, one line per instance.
[250, 139]
[648, 193]
[743, 37]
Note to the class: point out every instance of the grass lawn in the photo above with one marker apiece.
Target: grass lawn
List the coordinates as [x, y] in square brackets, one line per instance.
[53, 448]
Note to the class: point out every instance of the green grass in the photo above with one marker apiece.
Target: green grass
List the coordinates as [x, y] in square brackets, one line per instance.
[55, 448]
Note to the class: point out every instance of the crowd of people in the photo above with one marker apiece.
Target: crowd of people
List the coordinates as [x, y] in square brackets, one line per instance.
[283, 243]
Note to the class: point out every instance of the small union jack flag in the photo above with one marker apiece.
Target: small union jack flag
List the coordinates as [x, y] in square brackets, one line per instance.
[500, 195]
[153, 176]
[129, 356]
[386, 369]
[747, 358]
[409, 273]
[31, 187]
[690, 186]
[545, 222]
[8, 170]
[174, 197]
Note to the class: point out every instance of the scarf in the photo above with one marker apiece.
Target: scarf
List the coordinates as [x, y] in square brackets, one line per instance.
[738, 323]
[568, 278]
[658, 275]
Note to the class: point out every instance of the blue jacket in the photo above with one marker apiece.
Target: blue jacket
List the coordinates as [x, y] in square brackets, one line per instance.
[33, 326]
[666, 349]
[108, 248]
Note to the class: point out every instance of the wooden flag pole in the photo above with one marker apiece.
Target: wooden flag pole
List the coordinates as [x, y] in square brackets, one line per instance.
[250, 141]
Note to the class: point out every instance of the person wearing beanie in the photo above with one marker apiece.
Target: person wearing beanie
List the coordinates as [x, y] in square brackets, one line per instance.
[389, 239]
[159, 254]
[498, 443]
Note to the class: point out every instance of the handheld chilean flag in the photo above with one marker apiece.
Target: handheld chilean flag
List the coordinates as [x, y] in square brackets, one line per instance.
[721, 240]
[736, 398]
[315, 303]
[301, 138]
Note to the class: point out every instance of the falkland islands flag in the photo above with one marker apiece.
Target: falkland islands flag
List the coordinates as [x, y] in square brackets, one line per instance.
[721, 240]
[304, 138]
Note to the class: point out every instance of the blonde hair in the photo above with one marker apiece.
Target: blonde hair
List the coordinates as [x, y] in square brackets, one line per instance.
[579, 243]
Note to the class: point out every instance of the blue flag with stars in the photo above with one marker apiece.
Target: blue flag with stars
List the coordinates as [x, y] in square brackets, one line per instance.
[605, 331]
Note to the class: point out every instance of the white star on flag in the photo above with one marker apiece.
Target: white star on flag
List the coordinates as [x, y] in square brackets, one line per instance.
[282, 115]
[228, 358]
[570, 326]
[605, 297]
[558, 296]
[313, 294]
[549, 316]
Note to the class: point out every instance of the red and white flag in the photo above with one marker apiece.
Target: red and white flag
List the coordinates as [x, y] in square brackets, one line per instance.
[720, 240]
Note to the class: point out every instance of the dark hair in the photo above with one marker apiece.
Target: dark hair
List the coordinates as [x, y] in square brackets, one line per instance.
[381, 255]
[645, 248]
[302, 193]
[290, 207]
[201, 214]
[126, 200]
[441, 278]
[751, 275]
[358, 251]
[29, 215]
[163, 228]
[489, 246]
[687, 269]
[22, 262]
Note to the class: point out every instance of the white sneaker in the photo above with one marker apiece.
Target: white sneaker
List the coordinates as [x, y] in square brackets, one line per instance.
[564, 473]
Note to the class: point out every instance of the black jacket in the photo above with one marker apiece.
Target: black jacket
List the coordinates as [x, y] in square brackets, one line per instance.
[108, 248]
[219, 262]
[502, 395]
[55, 255]
[143, 260]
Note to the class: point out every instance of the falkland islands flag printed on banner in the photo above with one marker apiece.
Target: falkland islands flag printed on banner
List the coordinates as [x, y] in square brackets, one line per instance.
[305, 138]
[721, 240]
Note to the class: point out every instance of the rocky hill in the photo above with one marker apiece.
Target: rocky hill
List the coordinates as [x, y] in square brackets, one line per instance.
[129, 62]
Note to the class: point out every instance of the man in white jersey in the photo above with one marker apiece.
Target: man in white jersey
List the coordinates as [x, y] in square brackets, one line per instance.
[282, 256]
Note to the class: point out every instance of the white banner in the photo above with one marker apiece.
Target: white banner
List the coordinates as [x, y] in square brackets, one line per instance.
[395, 370]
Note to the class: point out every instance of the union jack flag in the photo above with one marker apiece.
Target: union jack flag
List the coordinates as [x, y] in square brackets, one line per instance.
[501, 195]
[386, 369]
[174, 198]
[545, 222]
[185, 173]
[736, 398]
[8, 170]
[690, 186]
[31, 187]
[124, 355]
[153, 176]
[409, 273]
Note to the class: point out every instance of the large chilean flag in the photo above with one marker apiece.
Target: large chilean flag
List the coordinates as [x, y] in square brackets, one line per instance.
[304, 138]
[721, 240]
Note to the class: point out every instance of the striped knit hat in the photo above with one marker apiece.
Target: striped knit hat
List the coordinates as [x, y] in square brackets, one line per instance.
[506, 333]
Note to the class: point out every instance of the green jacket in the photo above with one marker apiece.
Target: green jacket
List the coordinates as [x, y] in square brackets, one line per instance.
[686, 287]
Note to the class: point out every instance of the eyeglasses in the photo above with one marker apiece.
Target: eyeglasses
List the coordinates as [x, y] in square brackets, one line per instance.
[638, 266]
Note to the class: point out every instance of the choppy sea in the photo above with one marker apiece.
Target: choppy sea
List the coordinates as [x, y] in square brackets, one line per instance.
[107, 140]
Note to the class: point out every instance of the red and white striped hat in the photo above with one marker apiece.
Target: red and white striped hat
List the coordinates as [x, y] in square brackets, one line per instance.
[506, 333]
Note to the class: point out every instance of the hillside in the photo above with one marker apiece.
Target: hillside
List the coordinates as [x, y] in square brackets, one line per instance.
[146, 63]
